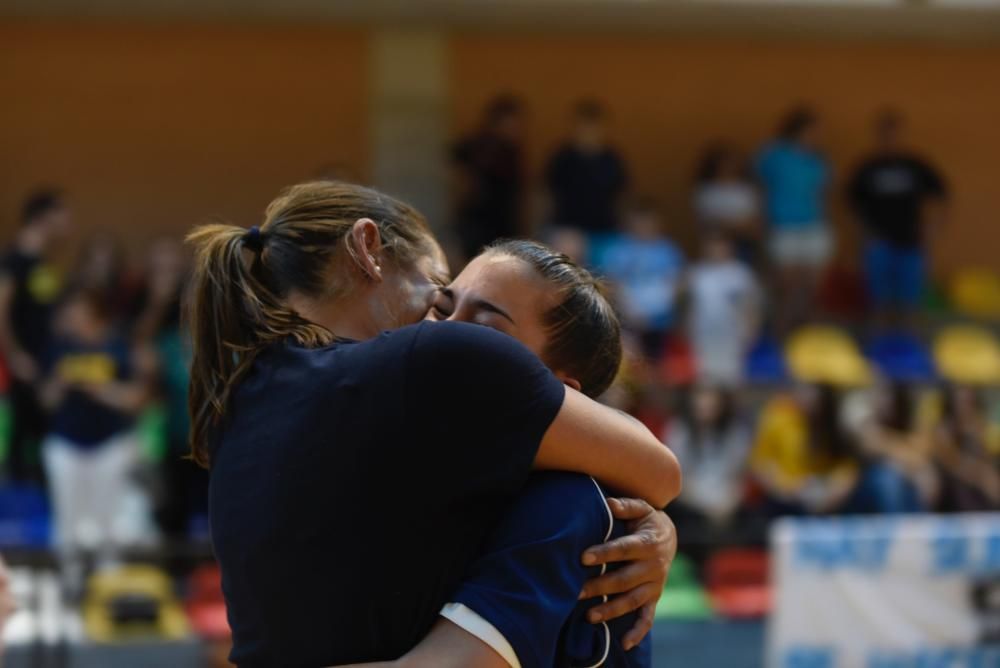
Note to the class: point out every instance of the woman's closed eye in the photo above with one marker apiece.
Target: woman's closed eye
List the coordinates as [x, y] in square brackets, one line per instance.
[443, 305]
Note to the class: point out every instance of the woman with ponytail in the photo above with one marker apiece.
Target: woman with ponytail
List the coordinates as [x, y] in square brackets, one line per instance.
[324, 409]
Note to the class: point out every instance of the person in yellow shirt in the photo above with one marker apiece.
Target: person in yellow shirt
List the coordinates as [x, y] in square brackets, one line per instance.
[802, 458]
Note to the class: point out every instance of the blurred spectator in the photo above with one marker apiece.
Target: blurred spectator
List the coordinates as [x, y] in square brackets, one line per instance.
[572, 243]
[803, 458]
[726, 200]
[896, 443]
[647, 269]
[489, 177]
[95, 386]
[795, 176]
[159, 310]
[893, 193]
[186, 484]
[967, 454]
[724, 311]
[29, 286]
[586, 177]
[100, 269]
[712, 445]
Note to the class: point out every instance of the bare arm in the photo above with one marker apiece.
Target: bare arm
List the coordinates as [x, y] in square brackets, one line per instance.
[446, 646]
[621, 452]
[970, 470]
[132, 395]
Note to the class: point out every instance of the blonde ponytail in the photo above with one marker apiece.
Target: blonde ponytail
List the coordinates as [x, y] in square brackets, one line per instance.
[242, 277]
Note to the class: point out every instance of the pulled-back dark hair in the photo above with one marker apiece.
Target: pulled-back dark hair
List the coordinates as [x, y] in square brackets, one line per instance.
[796, 121]
[900, 413]
[584, 335]
[501, 108]
[710, 164]
[40, 203]
[242, 277]
[829, 438]
[589, 109]
[723, 421]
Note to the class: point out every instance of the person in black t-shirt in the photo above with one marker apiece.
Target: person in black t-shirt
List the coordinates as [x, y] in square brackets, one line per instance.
[317, 427]
[894, 193]
[586, 176]
[489, 177]
[29, 287]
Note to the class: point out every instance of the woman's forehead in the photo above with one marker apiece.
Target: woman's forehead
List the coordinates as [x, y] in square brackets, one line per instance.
[498, 271]
[503, 277]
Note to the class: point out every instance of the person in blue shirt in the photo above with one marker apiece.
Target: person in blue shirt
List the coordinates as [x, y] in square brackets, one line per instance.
[523, 602]
[795, 176]
[647, 268]
[321, 403]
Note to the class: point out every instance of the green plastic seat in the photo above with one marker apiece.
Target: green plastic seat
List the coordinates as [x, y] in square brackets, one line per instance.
[684, 597]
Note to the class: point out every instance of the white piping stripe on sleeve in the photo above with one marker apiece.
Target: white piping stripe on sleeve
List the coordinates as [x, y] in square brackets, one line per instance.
[469, 620]
[611, 517]
[604, 568]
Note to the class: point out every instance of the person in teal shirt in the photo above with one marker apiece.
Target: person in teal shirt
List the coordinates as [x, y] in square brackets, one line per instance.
[795, 176]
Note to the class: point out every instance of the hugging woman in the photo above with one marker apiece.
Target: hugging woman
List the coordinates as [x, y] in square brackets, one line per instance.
[359, 457]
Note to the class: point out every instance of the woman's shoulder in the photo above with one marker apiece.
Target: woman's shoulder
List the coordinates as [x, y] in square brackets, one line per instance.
[430, 344]
[458, 340]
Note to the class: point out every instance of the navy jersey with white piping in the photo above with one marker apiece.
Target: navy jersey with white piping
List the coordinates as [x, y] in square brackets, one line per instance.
[521, 594]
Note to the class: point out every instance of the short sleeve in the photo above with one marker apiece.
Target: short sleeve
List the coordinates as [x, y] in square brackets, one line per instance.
[934, 184]
[527, 580]
[489, 400]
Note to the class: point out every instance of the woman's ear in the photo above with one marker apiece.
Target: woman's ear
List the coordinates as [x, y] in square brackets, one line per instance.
[566, 380]
[366, 246]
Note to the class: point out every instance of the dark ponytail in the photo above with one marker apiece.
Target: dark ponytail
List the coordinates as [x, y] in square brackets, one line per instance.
[242, 277]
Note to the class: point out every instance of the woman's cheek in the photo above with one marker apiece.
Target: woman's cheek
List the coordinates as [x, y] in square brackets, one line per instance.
[418, 304]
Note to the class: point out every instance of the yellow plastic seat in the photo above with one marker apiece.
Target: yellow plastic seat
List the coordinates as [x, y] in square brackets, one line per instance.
[968, 355]
[821, 354]
[976, 292]
[133, 602]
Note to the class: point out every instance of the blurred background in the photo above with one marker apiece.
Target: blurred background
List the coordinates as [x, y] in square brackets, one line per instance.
[793, 203]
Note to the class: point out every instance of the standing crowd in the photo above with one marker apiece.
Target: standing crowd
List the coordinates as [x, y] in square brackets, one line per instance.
[94, 361]
[831, 437]
[86, 358]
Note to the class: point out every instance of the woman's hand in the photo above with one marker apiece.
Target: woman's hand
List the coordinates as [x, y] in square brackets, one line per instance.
[650, 547]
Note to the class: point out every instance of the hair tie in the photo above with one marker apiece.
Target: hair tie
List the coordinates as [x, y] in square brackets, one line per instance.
[253, 240]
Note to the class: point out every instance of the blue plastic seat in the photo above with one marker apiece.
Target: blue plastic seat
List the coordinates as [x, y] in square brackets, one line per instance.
[766, 362]
[900, 356]
[24, 517]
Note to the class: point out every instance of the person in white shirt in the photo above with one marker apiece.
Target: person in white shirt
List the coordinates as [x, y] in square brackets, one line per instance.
[712, 443]
[724, 311]
[726, 199]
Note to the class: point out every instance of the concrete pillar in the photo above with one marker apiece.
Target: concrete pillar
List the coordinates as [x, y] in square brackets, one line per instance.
[409, 119]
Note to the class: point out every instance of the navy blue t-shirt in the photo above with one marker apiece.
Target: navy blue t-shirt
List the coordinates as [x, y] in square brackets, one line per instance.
[78, 418]
[527, 580]
[352, 486]
[585, 187]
